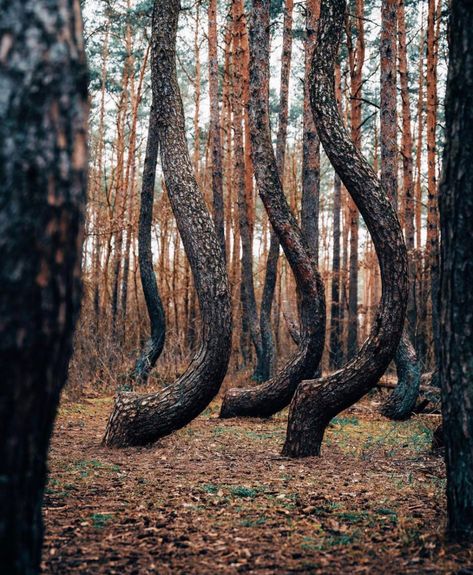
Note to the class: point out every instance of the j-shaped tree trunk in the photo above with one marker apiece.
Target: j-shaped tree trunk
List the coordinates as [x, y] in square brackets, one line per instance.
[153, 347]
[142, 419]
[276, 393]
[455, 303]
[402, 401]
[316, 402]
[43, 167]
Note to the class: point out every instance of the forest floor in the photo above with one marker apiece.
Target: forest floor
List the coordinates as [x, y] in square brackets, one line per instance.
[218, 498]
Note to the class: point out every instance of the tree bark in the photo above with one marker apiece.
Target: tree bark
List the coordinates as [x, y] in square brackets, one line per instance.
[215, 133]
[248, 299]
[43, 167]
[455, 304]
[264, 368]
[142, 419]
[402, 401]
[356, 57]
[153, 347]
[276, 393]
[315, 403]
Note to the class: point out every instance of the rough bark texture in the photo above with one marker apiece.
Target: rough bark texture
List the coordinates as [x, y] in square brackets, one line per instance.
[264, 369]
[245, 220]
[43, 167]
[276, 393]
[456, 296]
[153, 347]
[402, 401]
[142, 419]
[310, 145]
[215, 133]
[315, 403]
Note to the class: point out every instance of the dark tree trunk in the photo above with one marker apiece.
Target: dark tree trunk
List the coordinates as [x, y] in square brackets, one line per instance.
[153, 347]
[142, 419]
[316, 402]
[264, 368]
[455, 304]
[215, 133]
[276, 393]
[43, 167]
[401, 402]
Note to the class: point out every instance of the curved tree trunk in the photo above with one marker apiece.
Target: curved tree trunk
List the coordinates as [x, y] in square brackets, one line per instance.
[142, 419]
[43, 167]
[402, 401]
[276, 393]
[316, 402]
[455, 303]
[153, 347]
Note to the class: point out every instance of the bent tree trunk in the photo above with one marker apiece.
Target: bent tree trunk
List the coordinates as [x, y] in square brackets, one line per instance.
[316, 402]
[275, 394]
[402, 401]
[153, 347]
[43, 167]
[142, 419]
[456, 274]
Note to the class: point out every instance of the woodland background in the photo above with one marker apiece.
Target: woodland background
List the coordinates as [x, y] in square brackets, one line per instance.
[114, 320]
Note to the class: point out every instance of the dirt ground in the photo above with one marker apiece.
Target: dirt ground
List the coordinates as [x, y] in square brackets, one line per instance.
[217, 498]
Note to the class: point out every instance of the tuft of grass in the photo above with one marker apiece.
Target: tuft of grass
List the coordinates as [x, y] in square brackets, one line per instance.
[210, 488]
[242, 491]
[100, 520]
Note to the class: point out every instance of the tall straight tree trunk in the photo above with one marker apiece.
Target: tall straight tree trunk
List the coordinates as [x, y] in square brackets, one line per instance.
[315, 403]
[142, 419]
[310, 201]
[402, 400]
[310, 145]
[432, 246]
[356, 61]
[408, 208]
[455, 304]
[248, 299]
[264, 369]
[336, 326]
[275, 394]
[215, 130]
[336, 305]
[43, 163]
